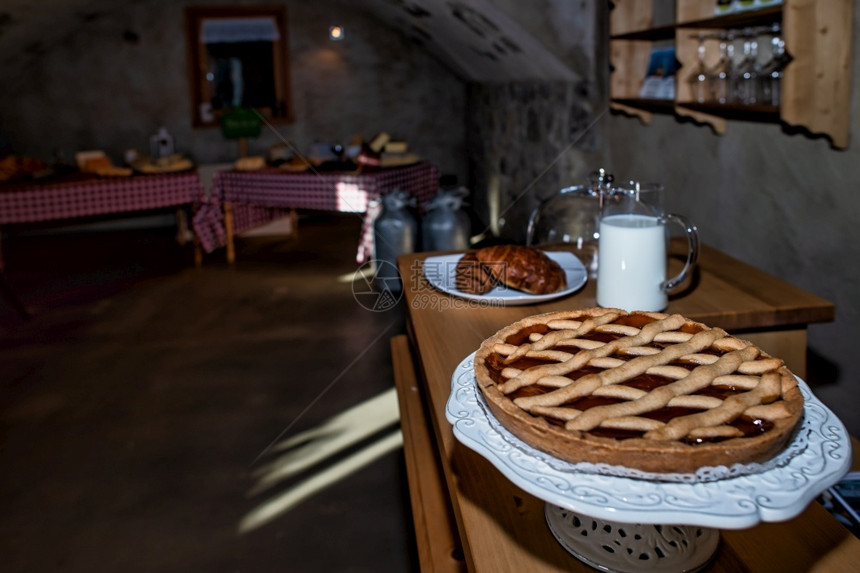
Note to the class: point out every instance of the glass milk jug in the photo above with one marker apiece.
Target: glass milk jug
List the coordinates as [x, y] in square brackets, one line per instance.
[631, 270]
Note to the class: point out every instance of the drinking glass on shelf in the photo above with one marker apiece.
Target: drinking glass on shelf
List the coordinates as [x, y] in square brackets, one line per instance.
[699, 79]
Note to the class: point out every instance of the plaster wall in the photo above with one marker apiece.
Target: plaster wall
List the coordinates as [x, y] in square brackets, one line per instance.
[120, 73]
[788, 204]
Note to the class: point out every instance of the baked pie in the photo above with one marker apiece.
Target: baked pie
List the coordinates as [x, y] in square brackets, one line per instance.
[521, 268]
[650, 391]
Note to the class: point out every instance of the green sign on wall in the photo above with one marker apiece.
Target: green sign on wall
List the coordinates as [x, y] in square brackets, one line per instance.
[240, 122]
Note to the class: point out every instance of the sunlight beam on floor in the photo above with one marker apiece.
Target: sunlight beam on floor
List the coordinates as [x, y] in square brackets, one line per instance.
[337, 433]
[282, 503]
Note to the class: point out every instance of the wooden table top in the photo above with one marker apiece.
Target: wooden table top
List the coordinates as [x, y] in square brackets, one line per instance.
[503, 528]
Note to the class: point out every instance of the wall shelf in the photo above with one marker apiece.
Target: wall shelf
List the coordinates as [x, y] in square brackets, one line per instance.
[651, 34]
[762, 113]
[738, 20]
[816, 84]
[648, 104]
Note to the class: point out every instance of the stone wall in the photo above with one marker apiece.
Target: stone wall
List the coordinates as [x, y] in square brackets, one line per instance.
[527, 140]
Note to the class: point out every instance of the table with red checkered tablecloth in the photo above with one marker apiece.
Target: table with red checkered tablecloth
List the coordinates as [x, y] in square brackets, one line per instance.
[35, 202]
[244, 199]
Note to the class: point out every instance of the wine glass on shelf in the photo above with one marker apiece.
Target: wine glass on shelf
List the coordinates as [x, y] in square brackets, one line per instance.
[748, 71]
[772, 70]
[722, 73]
[699, 79]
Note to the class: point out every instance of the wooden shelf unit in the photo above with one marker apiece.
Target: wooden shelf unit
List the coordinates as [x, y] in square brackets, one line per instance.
[816, 84]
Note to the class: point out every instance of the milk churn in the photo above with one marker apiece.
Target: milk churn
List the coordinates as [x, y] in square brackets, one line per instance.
[446, 226]
[395, 233]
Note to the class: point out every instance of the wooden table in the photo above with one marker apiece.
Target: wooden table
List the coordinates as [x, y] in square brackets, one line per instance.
[469, 516]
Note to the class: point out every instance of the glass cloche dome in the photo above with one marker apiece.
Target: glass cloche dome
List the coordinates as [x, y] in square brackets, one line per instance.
[571, 217]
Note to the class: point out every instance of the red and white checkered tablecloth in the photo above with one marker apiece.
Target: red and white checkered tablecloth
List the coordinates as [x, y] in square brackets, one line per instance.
[260, 196]
[35, 202]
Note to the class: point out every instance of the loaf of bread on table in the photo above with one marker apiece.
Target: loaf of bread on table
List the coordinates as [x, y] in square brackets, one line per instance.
[472, 277]
[522, 268]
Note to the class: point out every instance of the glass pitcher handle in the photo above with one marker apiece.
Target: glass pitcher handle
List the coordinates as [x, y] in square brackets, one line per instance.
[692, 251]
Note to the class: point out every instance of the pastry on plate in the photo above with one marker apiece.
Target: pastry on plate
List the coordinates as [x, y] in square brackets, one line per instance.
[472, 277]
[521, 268]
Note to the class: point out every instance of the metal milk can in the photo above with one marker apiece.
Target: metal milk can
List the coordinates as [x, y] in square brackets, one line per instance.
[395, 233]
[446, 227]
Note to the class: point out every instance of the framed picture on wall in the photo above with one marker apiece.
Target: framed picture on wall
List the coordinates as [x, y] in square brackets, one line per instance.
[238, 58]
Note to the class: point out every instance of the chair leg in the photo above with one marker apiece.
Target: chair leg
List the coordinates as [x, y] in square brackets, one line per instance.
[12, 297]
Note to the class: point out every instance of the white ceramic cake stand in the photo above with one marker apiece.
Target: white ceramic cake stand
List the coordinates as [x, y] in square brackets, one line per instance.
[629, 524]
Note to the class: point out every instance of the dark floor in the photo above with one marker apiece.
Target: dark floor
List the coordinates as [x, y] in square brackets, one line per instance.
[143, 393]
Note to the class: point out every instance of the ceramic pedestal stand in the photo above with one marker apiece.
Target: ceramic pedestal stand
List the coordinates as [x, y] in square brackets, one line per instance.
[617, 519]
[632, 547]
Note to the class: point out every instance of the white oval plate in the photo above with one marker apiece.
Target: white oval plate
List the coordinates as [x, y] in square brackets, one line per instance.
[776, 494]
[441, 272]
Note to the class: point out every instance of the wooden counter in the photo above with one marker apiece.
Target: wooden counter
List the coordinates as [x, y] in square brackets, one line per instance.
[468, 515]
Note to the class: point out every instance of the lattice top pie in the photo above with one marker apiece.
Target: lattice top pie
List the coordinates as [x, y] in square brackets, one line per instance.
[650, 391]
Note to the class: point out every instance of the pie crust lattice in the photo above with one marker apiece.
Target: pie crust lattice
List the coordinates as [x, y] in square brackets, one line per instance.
[650, 391]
